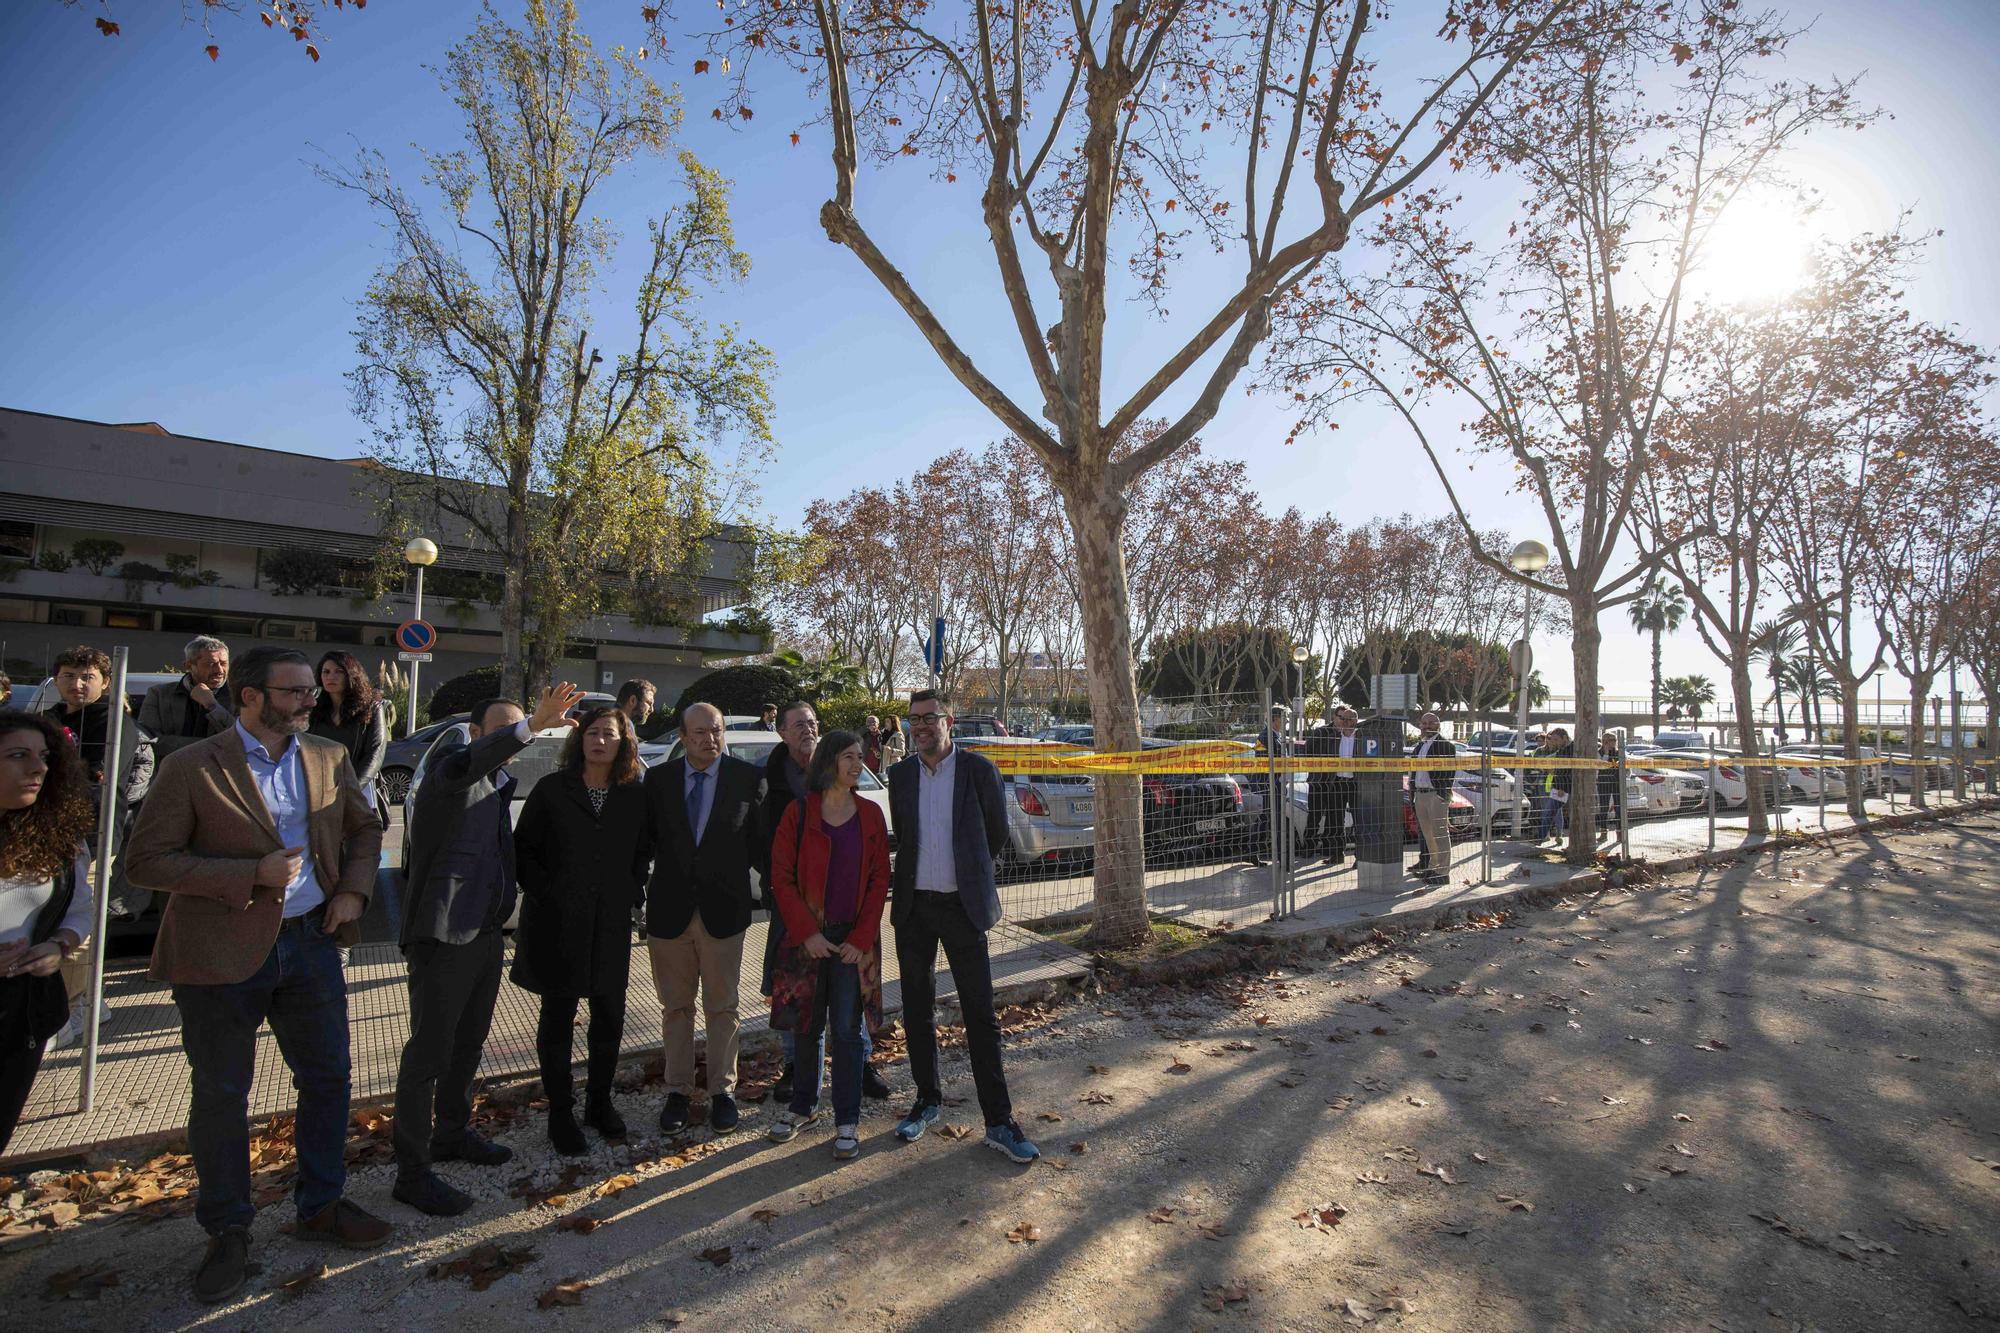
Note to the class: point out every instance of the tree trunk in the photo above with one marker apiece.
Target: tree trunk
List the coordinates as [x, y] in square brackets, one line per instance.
[1850, 736]
[1746, 724]
[1585, 640]
[1097, 522]
[1656, 684]
[1920, 777]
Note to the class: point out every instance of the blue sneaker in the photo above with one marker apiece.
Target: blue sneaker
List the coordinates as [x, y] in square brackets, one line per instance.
[921, 1117]
[1009, 1139]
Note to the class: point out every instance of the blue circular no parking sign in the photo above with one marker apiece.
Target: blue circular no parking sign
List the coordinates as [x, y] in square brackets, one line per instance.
[416, 636]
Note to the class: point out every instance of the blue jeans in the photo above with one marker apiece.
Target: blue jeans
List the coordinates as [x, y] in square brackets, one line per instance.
[791, 1041]
[303, 992]
[1555, 817]
[843, 1020]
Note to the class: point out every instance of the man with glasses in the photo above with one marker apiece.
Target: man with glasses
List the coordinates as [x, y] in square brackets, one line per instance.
[948, 812]
[784, 782]
[458, 893]
[266, 846]
[705, 812]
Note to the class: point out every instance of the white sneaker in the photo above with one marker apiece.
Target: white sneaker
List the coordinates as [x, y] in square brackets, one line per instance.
[71, 1032]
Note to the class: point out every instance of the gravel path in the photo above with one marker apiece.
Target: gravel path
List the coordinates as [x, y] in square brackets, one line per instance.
[1759, 1097]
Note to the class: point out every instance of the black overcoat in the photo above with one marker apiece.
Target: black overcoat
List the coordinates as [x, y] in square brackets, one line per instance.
[581, 874]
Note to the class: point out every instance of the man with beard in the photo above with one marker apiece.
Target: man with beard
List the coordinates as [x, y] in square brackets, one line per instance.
[267, 846]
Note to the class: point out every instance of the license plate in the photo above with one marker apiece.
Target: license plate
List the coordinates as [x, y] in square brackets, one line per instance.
[1083, 807]
[1210, 825]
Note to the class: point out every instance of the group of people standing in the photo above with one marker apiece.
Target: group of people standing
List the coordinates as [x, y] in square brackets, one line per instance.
[263, 834]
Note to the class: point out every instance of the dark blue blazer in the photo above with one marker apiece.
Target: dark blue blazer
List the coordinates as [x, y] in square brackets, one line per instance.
[978, 833]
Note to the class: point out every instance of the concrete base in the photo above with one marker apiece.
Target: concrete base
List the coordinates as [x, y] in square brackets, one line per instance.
[1380, 876]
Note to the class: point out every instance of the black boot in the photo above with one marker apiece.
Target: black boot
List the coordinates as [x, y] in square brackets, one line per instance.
[602, 1116]
[565, 1133]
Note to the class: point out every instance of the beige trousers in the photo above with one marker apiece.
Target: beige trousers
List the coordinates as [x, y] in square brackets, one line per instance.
[1434, 828]
[692, 958]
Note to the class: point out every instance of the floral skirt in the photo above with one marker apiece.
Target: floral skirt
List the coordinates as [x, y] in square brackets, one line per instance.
[799, 990]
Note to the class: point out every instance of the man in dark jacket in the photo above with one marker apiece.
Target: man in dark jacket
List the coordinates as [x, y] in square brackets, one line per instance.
[950, 818]
[458, 892]
[1430, 796]
[705, 811]
[196, 706]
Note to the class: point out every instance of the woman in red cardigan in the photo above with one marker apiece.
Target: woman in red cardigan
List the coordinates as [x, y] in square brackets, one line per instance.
[830, 881]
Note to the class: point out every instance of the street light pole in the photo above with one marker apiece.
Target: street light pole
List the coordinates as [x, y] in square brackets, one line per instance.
[1527, 557]
[421, 552]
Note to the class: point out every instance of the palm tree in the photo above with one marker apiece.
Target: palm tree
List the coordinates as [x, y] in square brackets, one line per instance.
[818, 678]
[1688, 695]
[1658, 610]
[1810, 682]
[1776, 643]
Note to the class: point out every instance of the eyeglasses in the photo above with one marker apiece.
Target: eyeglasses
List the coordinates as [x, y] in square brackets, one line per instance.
[926, 719]
[305, 693]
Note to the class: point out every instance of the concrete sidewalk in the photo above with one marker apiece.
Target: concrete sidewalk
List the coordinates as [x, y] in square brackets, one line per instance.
[142, 1076]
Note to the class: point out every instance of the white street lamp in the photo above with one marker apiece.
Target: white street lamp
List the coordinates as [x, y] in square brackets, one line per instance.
[421, 552]
[1527, 557]
[1299, 656]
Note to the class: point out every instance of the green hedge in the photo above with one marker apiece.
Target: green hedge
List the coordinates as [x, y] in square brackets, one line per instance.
[739, 689]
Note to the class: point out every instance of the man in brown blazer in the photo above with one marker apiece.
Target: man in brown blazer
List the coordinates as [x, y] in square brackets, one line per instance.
[267, 847]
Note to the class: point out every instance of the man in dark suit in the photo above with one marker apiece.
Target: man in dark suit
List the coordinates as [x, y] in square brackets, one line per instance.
[950, 818]
[196, 706]
[705, 808]
[266, 846]
[458, 893]
[1430, 793]
[1332, 794]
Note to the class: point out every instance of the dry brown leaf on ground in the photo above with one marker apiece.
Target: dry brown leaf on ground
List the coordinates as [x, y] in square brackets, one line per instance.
[1682, 1149]
[1402, 1152]
[1480, 1158]
[1179, 1066]
[1212, 1230]
[954, 1131]
[1097, 1098]
[484, 1265]
[766, 1216]
[1684, 1119]
[83, 1283]
[1416, 1101]
[616, 1185]
[299, 1283]
[1371, 1178]
[1100, 1069]
[1049, 1116]
[562, 1293]
[1321, 1216]
[1673, 1168]
[1712, 1044]
[716, 1254]
[1161, 1214]
[1513, 1204]
[1024, 1233]
[1609, 1100]
[580, 1223]
[1441, 1172]
[1226, 1293]
[1080, 1147]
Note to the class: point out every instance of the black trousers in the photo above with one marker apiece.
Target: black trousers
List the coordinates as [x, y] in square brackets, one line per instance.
[452, 991]
[555, 1046]
[1328, 799]
[939, 919]
[20, 1049]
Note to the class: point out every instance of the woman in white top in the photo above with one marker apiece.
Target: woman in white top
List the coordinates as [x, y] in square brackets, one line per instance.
[45, 906]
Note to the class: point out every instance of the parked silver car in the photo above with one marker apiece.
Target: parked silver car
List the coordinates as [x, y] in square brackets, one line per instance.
[1051, 817]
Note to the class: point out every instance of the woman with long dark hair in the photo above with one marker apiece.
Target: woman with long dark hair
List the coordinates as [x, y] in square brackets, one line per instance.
[581, 851]
[830, 881]
[45, 903]
[349, 711]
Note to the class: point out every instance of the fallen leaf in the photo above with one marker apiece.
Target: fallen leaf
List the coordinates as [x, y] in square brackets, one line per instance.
[1416, 1101]
[1441, 1172]
[1050, 1116]
[562, 1293]
[1096, 1098]
[1227, 1293]
[716, 1254]
[1514, 1204]
[1161, 1214]
[84, 1283]
[1673, 1168]
[1712, 1044]
[1026, 1233]
[299, 1283]
[1321, 1217]
[484, 1265]
[616, 1185]
[1179, 1066]
[1684, 1119]
[1100, 1069]
[1356, 1312]
[1609, 1100]
[580, 1223]
[1212, 1230]
[1080, 1147]
[954, 1131]
[1682, 1149]
[765, 1215]
[1371, 1178]
[1480, 1158]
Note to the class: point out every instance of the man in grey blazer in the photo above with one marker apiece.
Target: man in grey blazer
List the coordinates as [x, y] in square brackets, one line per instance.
[459, 891]
[948, 811]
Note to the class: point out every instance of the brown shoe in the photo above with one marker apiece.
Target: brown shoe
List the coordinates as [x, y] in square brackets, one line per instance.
[223, 1267]
[345, 1224]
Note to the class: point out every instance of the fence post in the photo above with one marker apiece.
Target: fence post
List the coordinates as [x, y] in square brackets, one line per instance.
[1713, 777]
[1624, 808]
[107, 845]
[1486, 818]
[1820, 770]
[1271, 811]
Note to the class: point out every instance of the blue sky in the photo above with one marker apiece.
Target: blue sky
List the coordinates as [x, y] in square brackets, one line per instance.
[166, 253]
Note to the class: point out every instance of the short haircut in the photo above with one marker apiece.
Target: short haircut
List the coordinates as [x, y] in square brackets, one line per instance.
[83, 657]
[826, 759]
[253, 670]
[939, 697]
[636, 689]
[202, 643]
[785, 713]
[479, 710]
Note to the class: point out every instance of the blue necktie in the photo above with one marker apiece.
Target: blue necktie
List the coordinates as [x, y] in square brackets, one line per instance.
[694, 804]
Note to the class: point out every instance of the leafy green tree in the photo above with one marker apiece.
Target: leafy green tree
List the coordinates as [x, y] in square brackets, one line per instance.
[1658, 610]
[97, 554]
[743, 689]
[498, 418]
[1686, 696]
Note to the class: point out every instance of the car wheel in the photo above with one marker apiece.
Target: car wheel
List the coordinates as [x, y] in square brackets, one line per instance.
[396, 784]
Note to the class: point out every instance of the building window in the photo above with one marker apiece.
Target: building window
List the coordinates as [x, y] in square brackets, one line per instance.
[183, 622]
[17, 539]
[67, 615]
[128, 620]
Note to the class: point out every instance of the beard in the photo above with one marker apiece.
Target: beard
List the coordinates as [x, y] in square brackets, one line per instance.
[273, 717]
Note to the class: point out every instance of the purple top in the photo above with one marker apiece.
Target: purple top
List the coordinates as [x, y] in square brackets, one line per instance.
[843, 871]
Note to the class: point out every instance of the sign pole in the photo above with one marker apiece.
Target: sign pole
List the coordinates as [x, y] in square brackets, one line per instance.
[410, 720]
[108, 811]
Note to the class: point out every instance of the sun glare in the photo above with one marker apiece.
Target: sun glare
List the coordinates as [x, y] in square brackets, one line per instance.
[1756, 254]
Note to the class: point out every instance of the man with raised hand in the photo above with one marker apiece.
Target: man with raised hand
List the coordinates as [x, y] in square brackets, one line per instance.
[948, 810]
[459, 891]
[195, 707]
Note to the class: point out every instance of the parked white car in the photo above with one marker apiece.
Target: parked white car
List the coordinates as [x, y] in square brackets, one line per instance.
[1806, 780]
[1731, 781]
[1870, 774]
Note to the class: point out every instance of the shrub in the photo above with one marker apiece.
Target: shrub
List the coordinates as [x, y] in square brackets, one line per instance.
[460, 693]
[849, 712]
[55, 560]
[294, 571]
[740, 689]
[97, 554]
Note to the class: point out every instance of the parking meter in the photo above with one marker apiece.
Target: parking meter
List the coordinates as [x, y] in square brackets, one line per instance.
[1378, 806]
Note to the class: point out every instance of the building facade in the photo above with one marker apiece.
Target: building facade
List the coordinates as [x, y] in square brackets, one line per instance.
[129, 534]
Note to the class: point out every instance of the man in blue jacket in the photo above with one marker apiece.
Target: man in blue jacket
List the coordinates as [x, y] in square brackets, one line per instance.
[947, 808]
[459, 892]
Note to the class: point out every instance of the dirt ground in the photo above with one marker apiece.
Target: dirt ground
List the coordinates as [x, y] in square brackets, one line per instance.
[1762, 1096]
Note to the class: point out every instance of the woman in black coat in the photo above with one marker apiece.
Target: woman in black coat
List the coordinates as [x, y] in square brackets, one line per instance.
[581, 853]
[349, 711]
